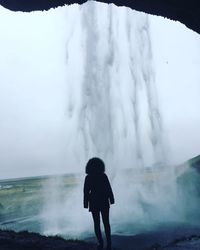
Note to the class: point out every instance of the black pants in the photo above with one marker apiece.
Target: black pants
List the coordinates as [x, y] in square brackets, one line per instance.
[97, 228]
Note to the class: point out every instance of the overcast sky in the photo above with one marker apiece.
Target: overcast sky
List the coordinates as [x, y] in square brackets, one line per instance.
[176, 51]
[33, 90]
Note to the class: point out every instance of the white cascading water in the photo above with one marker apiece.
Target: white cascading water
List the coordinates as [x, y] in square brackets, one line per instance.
[112, 105]
[113, 113]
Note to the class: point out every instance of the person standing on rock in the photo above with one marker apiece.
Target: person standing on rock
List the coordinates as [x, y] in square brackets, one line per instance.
[98, 196]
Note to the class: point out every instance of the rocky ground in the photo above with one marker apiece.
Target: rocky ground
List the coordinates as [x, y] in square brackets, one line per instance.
[10, 240]
[185, 243]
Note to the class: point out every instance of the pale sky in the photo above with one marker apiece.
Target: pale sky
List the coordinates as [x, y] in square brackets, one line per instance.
[33, 90]
[177, 58]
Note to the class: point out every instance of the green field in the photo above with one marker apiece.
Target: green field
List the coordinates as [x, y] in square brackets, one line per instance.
[24, 201]
[21, 200]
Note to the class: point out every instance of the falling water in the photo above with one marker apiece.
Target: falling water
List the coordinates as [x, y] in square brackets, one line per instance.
[118, 100]
[112, 111]
[112, 105]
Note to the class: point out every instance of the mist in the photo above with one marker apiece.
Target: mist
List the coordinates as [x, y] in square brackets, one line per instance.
[39, 86]
[97, 80]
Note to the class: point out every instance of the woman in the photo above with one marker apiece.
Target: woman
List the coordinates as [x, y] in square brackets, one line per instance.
[98, 196]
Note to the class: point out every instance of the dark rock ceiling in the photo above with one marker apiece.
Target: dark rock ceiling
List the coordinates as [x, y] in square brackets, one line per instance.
[185, 11]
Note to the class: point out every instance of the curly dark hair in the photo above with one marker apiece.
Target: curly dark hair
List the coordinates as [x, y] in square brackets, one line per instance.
[95, 166]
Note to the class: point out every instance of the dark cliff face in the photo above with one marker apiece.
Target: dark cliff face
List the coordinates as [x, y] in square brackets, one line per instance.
[185, 11]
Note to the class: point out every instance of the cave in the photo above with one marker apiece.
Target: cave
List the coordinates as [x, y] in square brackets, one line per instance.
[186, 12]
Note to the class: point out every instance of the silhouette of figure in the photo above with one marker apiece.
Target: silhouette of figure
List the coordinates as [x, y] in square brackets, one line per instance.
[98, 196]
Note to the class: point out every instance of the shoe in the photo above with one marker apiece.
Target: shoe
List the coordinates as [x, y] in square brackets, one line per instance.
[100, 246]
[108, 247]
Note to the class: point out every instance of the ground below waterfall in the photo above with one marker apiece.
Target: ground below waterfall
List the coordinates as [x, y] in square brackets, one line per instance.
[10, 240]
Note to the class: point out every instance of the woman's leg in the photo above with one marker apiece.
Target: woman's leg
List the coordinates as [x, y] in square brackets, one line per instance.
[97, 228]
[105, 218]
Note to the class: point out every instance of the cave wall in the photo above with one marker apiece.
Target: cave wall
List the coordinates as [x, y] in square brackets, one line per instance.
[185, 11]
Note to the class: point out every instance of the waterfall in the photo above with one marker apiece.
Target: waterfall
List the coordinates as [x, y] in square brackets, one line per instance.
[112, 110]
[95, 112]
[117, 112]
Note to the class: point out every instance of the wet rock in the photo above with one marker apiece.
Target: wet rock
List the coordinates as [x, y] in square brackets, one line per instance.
[10, 240]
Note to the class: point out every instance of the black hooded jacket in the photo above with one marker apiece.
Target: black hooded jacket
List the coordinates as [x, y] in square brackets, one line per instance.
[98, 193]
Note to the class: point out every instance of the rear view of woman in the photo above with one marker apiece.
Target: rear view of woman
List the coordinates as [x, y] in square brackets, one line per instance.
[98, 196]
